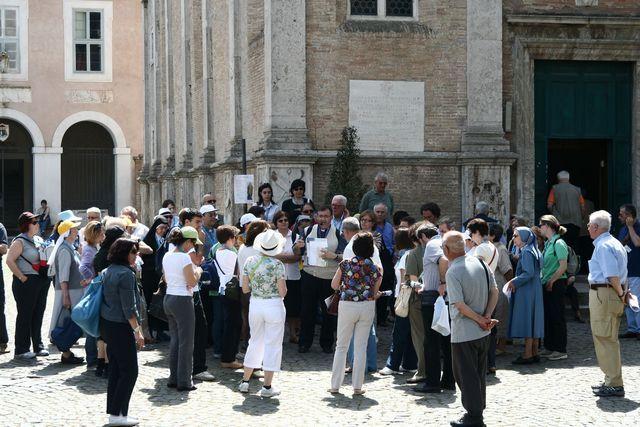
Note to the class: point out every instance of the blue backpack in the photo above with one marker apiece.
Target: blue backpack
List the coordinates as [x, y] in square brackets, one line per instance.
[86, 313]
[210, 280]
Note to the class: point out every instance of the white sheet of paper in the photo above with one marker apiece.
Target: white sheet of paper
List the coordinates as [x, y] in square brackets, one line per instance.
[327, 301]
[506, 290]
[313, 251]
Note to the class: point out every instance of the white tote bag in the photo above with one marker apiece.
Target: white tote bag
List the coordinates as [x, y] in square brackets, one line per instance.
[401, 307]
[440, 321]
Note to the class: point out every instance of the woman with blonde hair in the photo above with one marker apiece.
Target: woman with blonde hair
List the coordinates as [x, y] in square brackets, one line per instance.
[554, 280]
[93, 237]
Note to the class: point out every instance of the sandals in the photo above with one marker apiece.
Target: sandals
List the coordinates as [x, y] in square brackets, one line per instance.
[334, 391]
[359, 392]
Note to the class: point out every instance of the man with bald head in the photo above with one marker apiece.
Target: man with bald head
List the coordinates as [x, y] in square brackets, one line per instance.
[473, 295]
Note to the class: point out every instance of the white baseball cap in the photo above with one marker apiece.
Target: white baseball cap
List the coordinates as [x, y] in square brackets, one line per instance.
[204, 209]
[246, 219]
[164, 211]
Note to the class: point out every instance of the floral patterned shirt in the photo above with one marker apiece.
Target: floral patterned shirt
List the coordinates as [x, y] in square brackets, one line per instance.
[264, 273]
[359, 276]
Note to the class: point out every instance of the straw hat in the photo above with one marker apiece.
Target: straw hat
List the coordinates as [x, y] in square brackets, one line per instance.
[269, 242]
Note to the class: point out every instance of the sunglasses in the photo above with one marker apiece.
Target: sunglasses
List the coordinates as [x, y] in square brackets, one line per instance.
[212, 201]
[298, 189]
[283, 220]
[307, 211]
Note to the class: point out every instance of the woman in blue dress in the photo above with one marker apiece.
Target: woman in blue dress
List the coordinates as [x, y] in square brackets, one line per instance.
[527, 308]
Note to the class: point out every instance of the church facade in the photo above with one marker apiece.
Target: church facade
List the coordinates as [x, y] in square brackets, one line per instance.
[456, 101]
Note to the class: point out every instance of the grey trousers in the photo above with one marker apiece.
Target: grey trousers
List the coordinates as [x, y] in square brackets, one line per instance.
[469, 360]
[182, 324]
[417, 331]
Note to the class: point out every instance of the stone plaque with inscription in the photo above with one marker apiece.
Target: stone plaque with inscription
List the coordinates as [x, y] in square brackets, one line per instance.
[389, 115]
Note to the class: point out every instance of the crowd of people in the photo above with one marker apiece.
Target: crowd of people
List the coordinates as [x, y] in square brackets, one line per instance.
[199, 283]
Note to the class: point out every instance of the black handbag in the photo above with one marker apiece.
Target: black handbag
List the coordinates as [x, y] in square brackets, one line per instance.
[156, 306]
[233, 290]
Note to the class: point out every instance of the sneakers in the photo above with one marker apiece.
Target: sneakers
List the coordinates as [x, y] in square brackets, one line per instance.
[243, 387]
[42, 353]
[546, 353]
[387, 371]
[268, 392]
[607, 391]
[556, 355]
[204, 376]
[72, 360]
[122, 420]
[25, 356]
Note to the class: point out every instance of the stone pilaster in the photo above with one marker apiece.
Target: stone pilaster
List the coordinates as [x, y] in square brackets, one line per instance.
[484, 77]
[285, 75]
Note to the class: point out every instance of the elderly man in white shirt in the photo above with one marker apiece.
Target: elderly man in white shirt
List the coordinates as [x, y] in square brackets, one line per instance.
[607, 280]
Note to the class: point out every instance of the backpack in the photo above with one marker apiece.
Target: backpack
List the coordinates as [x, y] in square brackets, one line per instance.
[209, 279]
[573, 259]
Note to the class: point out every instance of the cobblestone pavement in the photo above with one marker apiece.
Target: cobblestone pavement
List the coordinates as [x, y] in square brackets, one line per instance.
[551, 393]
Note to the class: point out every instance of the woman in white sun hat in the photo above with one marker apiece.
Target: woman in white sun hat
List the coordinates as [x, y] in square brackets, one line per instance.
[264, 277]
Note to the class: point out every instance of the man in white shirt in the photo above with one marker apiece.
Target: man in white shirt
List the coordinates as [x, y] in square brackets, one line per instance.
[351, 227]
[139, 229]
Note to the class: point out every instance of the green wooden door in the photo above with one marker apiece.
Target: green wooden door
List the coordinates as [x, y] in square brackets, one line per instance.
[579, 100]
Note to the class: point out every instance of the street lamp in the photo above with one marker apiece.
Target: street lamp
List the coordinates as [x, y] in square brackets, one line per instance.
[4, 62]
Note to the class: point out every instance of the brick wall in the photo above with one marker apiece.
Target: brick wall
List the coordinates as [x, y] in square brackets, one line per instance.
[411, 185]
[432, 50]
[562, 7]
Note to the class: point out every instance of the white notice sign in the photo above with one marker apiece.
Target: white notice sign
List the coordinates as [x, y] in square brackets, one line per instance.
[243, 189]
[389, 115]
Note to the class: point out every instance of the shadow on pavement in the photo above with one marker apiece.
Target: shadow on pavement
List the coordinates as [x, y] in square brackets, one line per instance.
[255, 406]
[87, 383]
[439, 400]
[352, 403]
[161, 395]
[615, 404]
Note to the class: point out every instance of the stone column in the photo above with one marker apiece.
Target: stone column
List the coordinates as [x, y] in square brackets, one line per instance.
[47, 177]
[124, 178]
[285, 75]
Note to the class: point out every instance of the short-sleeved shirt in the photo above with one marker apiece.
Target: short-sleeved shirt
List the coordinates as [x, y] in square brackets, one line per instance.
[173, 265]
[633, 257]
[609, 259]
[467, 283]
[359, 276]
[504, 265]
[431, 271]
[264, 273]
[413, 265]
[555, 250]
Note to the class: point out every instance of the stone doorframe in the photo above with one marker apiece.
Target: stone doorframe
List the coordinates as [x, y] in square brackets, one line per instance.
[525, 52]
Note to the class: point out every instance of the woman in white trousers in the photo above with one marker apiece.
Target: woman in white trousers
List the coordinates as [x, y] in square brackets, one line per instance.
[264, 277]
[358, 279]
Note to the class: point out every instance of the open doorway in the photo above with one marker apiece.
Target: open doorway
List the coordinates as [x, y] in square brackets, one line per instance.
[586, 160]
